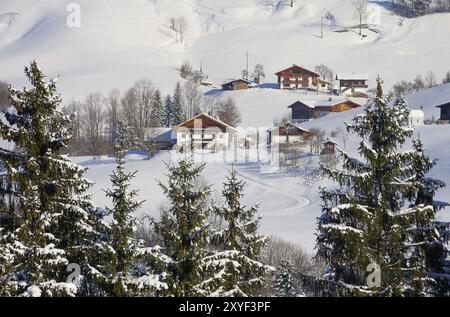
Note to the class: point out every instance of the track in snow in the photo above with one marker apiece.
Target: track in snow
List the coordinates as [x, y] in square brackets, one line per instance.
[301, 202]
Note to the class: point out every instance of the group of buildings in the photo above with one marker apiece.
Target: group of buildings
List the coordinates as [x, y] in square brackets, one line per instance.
[204, 131]
[299, 78]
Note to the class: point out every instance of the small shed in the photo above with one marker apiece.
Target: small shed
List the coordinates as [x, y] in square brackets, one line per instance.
[328, 147]
[238, 84]
[416, 118]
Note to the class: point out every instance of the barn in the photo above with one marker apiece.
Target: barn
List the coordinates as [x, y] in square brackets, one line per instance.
[238, 84]
[324, 107]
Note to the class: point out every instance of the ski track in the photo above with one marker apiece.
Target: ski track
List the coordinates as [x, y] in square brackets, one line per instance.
[302, 202]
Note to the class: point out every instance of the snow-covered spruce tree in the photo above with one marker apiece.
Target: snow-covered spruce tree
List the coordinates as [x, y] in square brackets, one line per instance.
[184, 230]
[284, 281]
[158, 116]
[236, 267]
[52, 225]
[426, 240]
[178, 105]
[367, 219]
[168, 111]
[126, 269]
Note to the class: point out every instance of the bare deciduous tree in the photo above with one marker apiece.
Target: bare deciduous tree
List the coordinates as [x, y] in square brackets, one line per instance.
[315, 139]
[325, 72]
[186, 70]
[112, 107]
[136, 106]
[93, 123]
[192, 97]
[229, 113]
[360, 9]
[181, 27]
[430, 79]
[258, 73]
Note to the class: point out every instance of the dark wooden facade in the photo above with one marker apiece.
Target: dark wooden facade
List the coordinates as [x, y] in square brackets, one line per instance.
[238, 84]
[301, 112]
[297, 77]
[445, 112]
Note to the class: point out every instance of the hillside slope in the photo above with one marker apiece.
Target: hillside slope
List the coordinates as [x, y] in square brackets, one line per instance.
[120, 42]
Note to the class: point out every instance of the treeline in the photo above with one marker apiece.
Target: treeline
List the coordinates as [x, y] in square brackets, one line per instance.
[411, 8]
[419, 83]
[94, 119]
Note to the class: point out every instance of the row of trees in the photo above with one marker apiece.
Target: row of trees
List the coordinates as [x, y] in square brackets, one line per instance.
[430, 80]
[94, 120]
[381, 217]
[49, 222]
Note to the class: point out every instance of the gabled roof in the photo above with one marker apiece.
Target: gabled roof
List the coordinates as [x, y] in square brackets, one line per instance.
[352, 76]
[298, 103]
[416, 114]
[239, 79]
[203, 114]
[292, 125]
[330, 141]
[298, 68]
[334, 102]
[160, 134]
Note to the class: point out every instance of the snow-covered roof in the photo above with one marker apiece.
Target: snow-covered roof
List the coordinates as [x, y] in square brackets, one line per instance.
[416, 114]
[291, 124]
[352, 76]
[160, 134]
[203, 114]
[330, 102]
[251, 83]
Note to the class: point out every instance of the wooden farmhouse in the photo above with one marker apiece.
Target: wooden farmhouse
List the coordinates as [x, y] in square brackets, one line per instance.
[204, 132]
[297, 77]
[353, 85]
[322, 108]
[238, 84]
[287, 133]
[301, 112]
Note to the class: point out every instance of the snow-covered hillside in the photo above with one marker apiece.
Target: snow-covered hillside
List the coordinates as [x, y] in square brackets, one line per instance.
[122, 41]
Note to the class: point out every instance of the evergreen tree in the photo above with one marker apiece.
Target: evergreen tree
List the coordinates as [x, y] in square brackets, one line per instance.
[184, 231]
[178, 105]
[237, 265]
[168, 111]
[284, 280]
[425, 238]
[446, 79]
[125, 273]
[367, 219]
[53, 225]
[158, 116]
